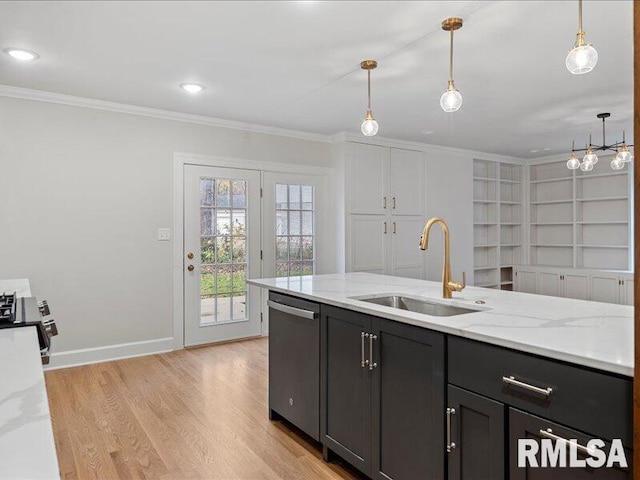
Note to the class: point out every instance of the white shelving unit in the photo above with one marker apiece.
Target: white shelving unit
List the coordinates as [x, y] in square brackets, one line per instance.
[498, 229]
[579, 219]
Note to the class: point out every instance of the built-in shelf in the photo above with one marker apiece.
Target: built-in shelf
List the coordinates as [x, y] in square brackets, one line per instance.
[498, 214]
[600, 175]
[602, 199]
[549, 224]
[548, 245]
[578, 220]
[550, 202]
[615, 247]
[552, 180]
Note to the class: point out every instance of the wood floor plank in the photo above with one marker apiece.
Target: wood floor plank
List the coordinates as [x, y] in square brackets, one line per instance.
[189, 414]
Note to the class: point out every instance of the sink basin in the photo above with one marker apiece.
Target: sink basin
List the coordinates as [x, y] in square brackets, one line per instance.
[418, 306]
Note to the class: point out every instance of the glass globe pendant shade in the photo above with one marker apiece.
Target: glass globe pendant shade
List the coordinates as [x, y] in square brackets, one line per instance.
[451, 100]
[586, 166]
[582, 59]
[624, 155]
[617, 163]
[590, 157]
[369, 126]
[573, 163]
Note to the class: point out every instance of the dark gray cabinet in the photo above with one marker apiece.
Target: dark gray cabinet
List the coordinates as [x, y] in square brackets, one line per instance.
[384, 392]
[476, 443]
[346, 386]
[524, 425]
[294, 362]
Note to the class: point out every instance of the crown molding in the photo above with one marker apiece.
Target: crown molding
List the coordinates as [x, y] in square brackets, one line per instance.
[423, 147]
[71, 100]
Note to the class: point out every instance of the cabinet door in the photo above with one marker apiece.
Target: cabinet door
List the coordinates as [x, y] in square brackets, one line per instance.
[605, 288]
[406, 182]
[523, 425]
[346, 386]
[526, 281]
[407, 260]
[575, 286]
[549, 284]
[627, 285]
[408, 402]
[367, 179]
[369, 235]
[477, 429]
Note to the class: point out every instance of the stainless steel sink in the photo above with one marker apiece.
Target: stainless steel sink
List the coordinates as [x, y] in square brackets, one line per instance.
[419, 306]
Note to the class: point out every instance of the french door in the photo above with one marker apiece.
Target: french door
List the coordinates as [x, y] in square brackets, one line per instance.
[222, 250]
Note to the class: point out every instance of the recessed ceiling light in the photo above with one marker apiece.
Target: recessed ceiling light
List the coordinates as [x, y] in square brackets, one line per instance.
[20, 54]
[192, 87]
[426, 132]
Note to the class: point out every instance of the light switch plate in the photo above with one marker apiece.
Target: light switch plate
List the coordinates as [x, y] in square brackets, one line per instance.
[164, 234]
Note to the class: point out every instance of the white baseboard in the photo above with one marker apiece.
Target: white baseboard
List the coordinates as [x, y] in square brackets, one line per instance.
[74, 358]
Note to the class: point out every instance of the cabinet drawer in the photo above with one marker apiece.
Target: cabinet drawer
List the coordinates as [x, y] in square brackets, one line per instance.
[591, 401]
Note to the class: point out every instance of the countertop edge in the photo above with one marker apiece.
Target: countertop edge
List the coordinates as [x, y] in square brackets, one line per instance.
[513, 345]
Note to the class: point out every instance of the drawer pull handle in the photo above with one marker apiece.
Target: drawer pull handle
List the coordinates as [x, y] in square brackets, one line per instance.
[450, 444]
[548, 433]
[517, 383]
[363, 362]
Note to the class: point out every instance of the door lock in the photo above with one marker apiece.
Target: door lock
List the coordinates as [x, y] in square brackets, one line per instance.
[190, 268]
[189, 255]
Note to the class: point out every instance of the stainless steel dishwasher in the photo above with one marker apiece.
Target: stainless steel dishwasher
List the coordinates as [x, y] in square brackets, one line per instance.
[294, 362]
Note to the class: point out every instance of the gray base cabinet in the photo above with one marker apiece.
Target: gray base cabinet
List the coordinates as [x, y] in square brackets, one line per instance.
[384, 390]
[524, 425]
[294, 362]
[477, 439]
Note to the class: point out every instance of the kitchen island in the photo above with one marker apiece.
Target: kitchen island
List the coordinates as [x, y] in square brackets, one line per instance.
[403, 393]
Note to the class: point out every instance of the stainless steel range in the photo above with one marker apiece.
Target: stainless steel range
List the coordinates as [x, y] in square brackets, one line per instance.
[27, 312]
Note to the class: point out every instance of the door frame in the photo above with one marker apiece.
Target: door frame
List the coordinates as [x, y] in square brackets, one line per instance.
[179, 161]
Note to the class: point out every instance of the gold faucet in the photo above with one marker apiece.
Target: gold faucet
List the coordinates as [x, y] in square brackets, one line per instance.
[448, 285]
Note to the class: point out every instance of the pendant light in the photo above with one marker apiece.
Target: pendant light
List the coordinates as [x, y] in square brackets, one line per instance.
[451, 100]
[574, 162]
[369, 126]
[582, 58]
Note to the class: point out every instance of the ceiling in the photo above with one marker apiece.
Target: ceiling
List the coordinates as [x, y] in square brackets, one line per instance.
[295, 65]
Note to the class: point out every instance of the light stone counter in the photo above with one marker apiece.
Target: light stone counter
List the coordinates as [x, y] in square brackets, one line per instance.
[592, 334]
[27, 448]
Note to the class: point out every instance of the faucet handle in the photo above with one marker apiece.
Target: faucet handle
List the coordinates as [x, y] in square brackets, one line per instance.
[458, 287]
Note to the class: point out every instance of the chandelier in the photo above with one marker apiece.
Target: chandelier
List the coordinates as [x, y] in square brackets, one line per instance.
[623, 154]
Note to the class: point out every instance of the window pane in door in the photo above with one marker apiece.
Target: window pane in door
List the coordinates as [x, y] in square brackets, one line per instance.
[295, 230]
[223, 250]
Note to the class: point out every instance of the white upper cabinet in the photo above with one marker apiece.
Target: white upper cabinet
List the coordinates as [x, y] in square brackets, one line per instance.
[385, 180]
[406, 182]
[368, 167]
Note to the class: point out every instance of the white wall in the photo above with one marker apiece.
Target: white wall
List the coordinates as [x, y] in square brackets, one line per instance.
[450, 196]
[83, 193]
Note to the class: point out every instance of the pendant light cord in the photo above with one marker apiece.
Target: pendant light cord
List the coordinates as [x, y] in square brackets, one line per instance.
[451, 59]
[580, 15]
[369, 89]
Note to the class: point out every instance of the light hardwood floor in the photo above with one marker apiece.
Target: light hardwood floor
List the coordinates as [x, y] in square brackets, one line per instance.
[198, 413]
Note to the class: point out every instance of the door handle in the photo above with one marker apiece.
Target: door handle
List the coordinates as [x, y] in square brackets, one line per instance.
[385, 227]
[190, 268]
[393, 199]
[384, 202]
[450, 445]
[363, 362]
[394, 227]
[372, 364]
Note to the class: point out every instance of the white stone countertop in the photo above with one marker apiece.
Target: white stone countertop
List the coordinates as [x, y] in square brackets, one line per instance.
[591, 334]
[27, 448]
